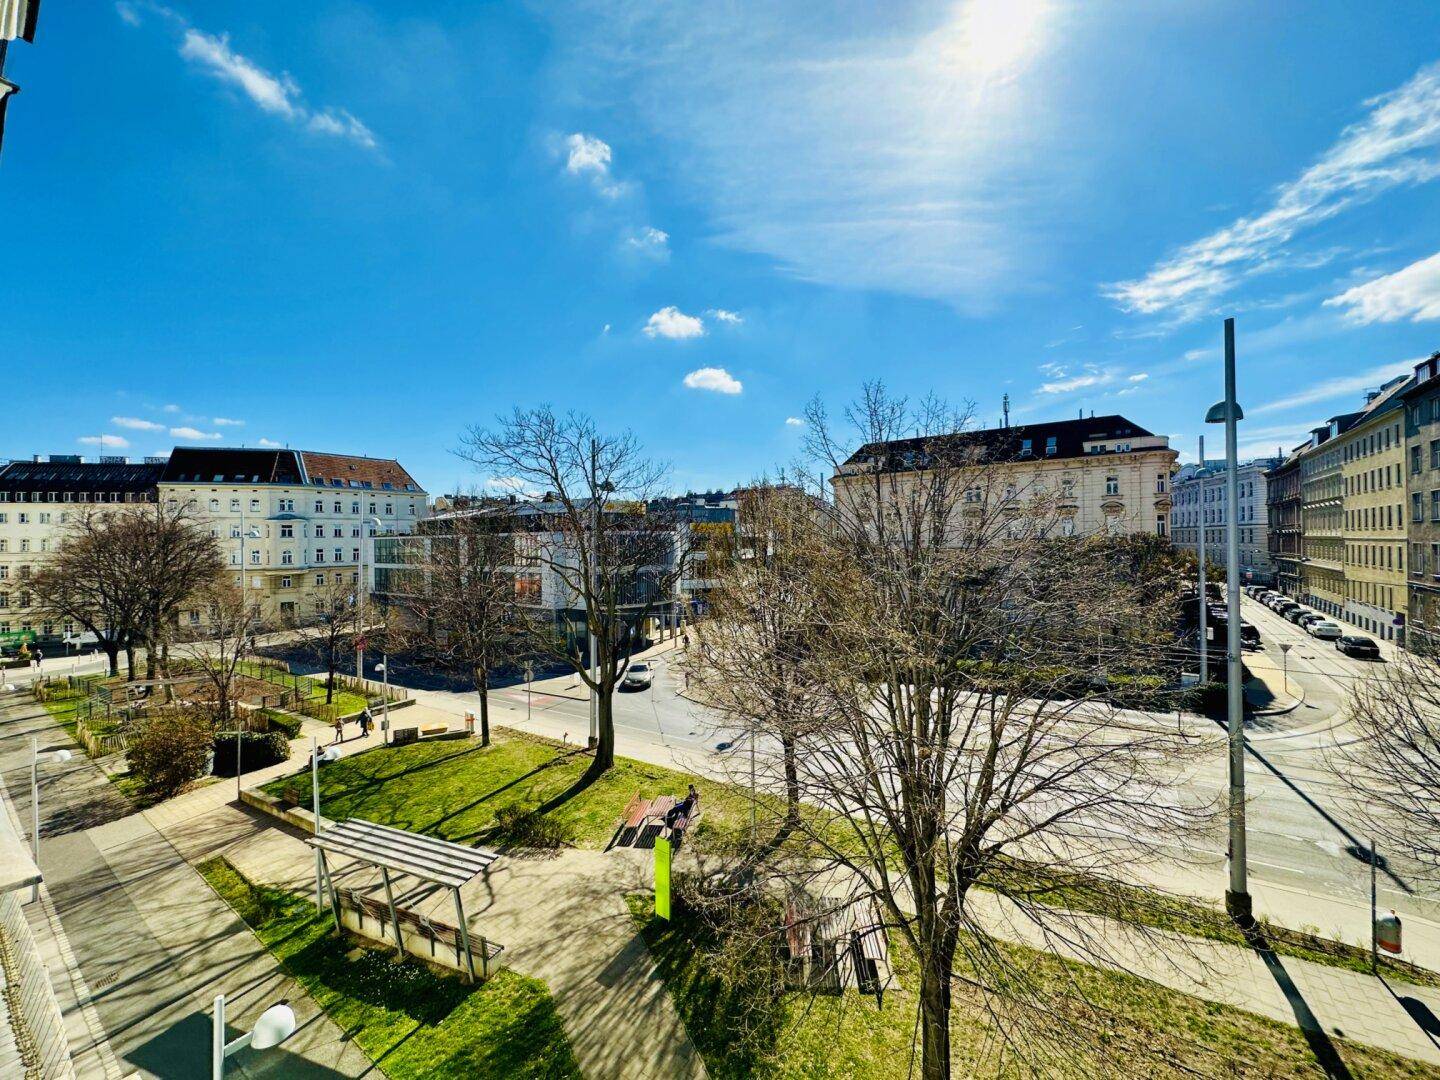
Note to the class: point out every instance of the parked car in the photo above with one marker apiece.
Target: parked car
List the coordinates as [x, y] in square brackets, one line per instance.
[1325, 629]
[1358, 646]
[1305, 620]
[638, 676]
[1286, 610]
[1296, 615]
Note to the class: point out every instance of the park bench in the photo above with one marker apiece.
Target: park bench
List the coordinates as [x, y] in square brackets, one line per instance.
[433, 729]
[644, 821]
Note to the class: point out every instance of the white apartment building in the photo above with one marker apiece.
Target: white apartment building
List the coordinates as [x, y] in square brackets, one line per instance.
[293, 523]
[38, 501]
[1200, 502]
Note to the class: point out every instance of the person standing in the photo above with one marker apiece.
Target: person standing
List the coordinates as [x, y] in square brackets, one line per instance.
[339, 729]
[365, 722]
[35, 659]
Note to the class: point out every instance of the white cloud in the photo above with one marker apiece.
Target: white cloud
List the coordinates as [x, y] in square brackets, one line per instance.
[1412, 293]
[268, 442]
[193, 433]
[671, 322]
[794, 421]
[1392, 146]
[651, 242]
[1139, 376]
[713, 378]
[879, 151]
[170, 408]
[1065, 384]
[111, 442]
[127, 13]
[726, 316]
[136, 424]
[278, 95]
[1338, 387]
[587, 154]
[225, 421]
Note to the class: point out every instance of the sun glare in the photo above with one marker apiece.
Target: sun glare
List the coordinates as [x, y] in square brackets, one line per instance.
[998, 36]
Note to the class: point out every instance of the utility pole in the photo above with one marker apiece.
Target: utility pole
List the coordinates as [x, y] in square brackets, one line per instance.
[1228, 412]
[1204, 611]
[594, 590]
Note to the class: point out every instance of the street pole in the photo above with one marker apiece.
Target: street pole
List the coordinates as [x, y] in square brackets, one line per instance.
[1237, 899]
[384, 692]
[35, 811]
[1374, 932]
[529, 674]
[1204, 613]
[1285, 664]
[237, 760]
[315, 810]
[594, 588]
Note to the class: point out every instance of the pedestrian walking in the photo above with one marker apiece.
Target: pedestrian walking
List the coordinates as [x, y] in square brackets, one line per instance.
[35, 659]
[365, 722]
[339, 729]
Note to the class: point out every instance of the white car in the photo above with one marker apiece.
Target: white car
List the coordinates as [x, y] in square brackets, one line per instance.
[638, 676]
[1324, 628]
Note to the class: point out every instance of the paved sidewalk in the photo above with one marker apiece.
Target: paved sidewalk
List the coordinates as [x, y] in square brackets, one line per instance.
[561, 919]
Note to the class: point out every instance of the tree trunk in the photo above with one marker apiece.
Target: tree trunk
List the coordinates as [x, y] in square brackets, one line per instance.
[605, 743]
[482, 684]
[935, 1018]
[330, 679]
[792, 783]
[112, 653]
[130, 662]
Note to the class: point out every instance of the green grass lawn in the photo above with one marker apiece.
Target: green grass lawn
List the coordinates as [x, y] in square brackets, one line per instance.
[410, 1020]
[454, 789]
[1155, 1031]
[63, 705]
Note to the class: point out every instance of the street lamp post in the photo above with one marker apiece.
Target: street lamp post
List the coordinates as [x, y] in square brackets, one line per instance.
[330, 753]
[35, 756]
[1204, 611]
[276, 1024]
[1228, 412]
[384, 668]
[360, 590]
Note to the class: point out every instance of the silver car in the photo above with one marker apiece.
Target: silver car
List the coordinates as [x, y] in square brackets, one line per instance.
[1325, 629]
[638, 676]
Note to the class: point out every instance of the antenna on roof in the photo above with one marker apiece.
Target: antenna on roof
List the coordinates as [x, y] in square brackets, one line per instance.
[1005, 404]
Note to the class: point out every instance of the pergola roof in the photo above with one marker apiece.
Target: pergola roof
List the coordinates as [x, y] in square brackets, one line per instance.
[423, 857]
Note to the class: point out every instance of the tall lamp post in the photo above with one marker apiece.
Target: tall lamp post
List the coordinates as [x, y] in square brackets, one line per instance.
[330, 753]
[1204, 611]
[35, 758]
[1228, 412]
[360, 590]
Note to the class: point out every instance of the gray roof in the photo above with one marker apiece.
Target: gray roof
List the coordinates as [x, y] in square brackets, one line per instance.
[424, 857]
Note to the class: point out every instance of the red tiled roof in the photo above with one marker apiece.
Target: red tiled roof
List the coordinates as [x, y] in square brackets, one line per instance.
[374, 473]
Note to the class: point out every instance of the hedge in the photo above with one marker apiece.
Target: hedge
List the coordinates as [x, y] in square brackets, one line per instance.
[258, 750]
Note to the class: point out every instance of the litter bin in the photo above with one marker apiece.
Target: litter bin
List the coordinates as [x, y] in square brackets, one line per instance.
[1387, 932]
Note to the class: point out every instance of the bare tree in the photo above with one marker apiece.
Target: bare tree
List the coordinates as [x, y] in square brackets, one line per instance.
[175, 559]
[962, 735]
[593, 539]
[91, 580]
[460, 598]
[752, 670]
[327, 634]
[215, 646]
[1392, 762]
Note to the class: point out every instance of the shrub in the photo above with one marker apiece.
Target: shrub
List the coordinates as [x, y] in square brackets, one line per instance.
[284, 723]
[258, 750]
[170, 750]
[525, 828]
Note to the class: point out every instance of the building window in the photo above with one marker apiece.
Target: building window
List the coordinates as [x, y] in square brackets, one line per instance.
[319, 579]
[287, 506]
[1112, 485]
[254, 558]
[355, 508]
[287, 532]
[215, 505]
[319, 554]
[285, 581]
[354, 554]
[319, 506]
[1417, 508]
[337, 507]
[234, 506]
[287, 557]
[1050, 448]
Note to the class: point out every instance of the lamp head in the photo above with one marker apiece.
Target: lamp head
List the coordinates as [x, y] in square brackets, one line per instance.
[1216, 415]
[61, 755]
[276, 1024]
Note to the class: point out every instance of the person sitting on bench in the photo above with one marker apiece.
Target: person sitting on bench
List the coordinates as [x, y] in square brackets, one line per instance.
[680, 813]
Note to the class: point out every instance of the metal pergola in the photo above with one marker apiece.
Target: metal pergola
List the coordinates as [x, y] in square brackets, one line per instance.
[437, 862]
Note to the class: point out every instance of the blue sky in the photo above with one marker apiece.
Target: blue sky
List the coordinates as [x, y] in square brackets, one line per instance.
[361, 227]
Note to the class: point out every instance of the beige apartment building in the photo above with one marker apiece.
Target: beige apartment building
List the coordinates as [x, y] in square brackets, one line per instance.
[293, 524]
[1109, 475]
[1353, 515]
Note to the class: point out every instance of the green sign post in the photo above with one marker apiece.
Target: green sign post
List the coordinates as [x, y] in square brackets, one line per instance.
[662, 878]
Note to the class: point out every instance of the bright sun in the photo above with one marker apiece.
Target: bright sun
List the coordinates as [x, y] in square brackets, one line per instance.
[997, 36]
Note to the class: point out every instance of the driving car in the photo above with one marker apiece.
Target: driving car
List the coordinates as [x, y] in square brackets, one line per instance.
[1358, 646]
[1325, 629]
[638, 676]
